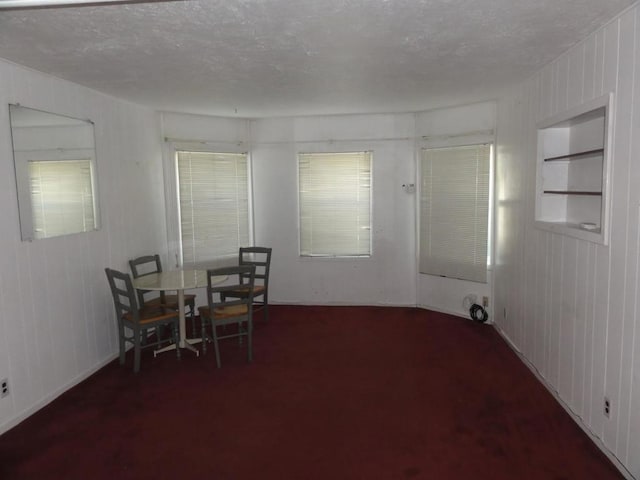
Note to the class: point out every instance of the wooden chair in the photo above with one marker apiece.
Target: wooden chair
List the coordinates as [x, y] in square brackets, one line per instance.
[260, 257]
[223, 310]
[151, 264]
[138, 320]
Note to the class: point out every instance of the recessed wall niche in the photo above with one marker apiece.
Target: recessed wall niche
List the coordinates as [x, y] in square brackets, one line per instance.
[573, 164]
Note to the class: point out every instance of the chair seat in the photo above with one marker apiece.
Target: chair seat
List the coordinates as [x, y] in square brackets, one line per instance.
[151, 315]
[170, 301]
[225, 312]
[243, 291]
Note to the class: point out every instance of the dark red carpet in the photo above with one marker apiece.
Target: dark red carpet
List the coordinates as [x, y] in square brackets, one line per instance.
[333, 393]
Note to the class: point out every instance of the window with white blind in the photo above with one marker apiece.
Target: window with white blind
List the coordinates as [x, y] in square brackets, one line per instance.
[62, 199]
[454, 211]
[213, 196]
[335, 204]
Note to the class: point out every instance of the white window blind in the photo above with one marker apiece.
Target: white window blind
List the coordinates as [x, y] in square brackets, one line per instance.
[454, 212]
[335, 204]
[213, 196]
[61, 197]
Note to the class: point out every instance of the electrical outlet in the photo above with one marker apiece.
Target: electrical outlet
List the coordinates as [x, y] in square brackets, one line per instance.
[485, 301]
[607, 407]
[4, 387]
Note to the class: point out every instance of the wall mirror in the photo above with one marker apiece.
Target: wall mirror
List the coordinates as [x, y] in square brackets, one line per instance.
[55, 166]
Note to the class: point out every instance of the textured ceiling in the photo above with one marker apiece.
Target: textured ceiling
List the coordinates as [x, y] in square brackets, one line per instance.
[256, 58]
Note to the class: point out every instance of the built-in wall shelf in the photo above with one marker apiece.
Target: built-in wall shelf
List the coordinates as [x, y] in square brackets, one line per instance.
[573, 171]
[567, 192]
[574, 156]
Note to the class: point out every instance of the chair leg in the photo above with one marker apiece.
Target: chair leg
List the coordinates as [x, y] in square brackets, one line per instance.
[250, 340]
[193, 319]
[215, 344]
[122, 344]
[262, 305]
[203, 329]
[266, 308]
[137, 340]
[176, 338]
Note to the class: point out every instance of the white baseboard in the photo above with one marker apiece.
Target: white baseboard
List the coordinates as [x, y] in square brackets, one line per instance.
[407, 305]
[597, 440]
[455, 313]
[342, 304]
[55, 394]
[444, 310]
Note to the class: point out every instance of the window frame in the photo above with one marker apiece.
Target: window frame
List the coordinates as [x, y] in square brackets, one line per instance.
[371, 211]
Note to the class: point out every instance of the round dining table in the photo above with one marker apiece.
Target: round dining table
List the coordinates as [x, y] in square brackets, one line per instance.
[179, 281]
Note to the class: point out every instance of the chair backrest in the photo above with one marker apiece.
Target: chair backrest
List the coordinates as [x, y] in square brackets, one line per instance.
[239, 276]
[124, 297]
[142, 266]
[260, 257]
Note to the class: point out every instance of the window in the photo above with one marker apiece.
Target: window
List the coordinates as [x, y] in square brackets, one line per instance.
[335, 204]
[454, 211]
[213, 196]
[61, 197]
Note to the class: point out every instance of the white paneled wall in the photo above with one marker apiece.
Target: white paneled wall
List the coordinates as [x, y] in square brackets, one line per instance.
[56, 316]
[570, 306]
[389, 276]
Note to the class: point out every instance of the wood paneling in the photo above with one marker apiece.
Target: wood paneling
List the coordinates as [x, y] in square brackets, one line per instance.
[56, 316]
[573, 313]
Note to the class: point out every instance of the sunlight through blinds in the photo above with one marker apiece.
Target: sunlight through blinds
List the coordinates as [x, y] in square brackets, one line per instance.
[213, 194]
[61, 197]
[335, 204]
[454, 212]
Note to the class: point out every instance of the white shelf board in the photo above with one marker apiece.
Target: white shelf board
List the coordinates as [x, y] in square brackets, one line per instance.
[572, 230]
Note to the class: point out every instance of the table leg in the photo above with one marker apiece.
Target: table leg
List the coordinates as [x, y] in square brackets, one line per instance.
[183, 343]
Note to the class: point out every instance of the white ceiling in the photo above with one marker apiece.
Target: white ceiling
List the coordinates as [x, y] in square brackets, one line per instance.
[257, 58]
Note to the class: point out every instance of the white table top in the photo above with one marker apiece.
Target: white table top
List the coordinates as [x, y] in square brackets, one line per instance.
[174, 280]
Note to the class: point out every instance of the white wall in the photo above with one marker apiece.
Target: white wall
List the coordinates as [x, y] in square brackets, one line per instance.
[57, 323]
[384, 279]
[387, 277]
[571, 306]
